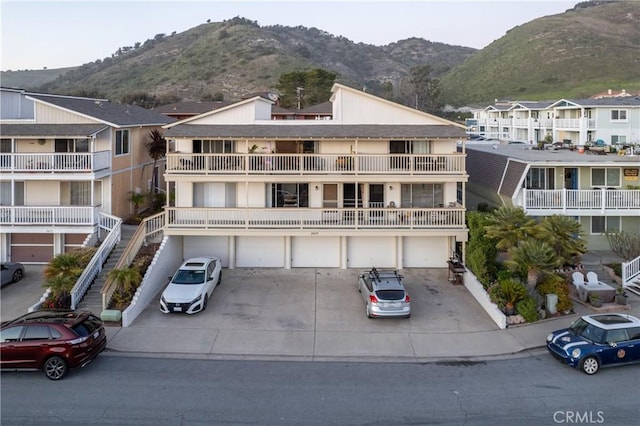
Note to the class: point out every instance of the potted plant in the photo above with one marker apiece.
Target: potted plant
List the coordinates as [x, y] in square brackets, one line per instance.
[621, 296]
[595, 300]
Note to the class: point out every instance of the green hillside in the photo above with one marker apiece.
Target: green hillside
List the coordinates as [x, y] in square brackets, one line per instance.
[575, 54]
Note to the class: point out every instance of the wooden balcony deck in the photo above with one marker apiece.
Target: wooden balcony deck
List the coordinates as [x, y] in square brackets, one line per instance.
[69, 162]
[48, 215]
[625, 202]
[314, 164]
[314, 218]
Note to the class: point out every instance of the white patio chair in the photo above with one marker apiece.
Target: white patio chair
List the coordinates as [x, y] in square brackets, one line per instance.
[592, 278]
[578, 279]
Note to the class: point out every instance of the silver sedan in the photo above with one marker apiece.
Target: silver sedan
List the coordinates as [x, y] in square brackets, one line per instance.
[11, 272]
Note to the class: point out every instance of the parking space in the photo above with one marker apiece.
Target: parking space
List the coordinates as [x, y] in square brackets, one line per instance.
[16, 298]
[324, 300]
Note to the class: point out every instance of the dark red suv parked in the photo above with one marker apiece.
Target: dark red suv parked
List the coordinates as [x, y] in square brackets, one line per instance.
[51, 341]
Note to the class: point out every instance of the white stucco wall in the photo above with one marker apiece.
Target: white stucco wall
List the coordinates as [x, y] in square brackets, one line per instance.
[165, 262]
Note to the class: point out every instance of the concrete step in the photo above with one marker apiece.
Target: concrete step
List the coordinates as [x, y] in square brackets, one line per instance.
[92, 299]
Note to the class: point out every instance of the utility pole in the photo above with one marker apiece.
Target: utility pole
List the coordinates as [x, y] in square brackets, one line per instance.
[299, 91]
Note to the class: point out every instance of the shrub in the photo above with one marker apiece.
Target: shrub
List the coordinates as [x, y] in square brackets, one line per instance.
[556, 284]
[528, 308]
[506, 293]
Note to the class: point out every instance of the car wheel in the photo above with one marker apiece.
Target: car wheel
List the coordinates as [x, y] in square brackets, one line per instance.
[219, 278]
[17, 275]
[206, 301]
[590, 365]
[55, 368]
[368, 312]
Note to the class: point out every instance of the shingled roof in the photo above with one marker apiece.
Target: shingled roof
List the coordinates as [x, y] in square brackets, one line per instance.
[116, 114]
[52, 130]
[315, 131]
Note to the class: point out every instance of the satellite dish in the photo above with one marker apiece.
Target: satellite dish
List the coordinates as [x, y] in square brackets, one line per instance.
[273, 97]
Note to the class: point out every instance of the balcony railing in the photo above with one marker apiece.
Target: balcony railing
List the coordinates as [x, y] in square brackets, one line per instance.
[310, 218]
[625, 201]
[48, 215]
[75, 162]
[179, 163]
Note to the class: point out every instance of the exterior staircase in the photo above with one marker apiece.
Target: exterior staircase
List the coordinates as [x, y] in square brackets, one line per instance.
[92, 300]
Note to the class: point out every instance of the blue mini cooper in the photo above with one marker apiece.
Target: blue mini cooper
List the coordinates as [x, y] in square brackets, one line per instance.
[594, 341]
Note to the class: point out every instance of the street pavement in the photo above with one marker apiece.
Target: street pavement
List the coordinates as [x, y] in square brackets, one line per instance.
[318, 314]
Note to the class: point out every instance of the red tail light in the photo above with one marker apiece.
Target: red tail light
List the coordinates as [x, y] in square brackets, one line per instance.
[373, 299]
[407, 299]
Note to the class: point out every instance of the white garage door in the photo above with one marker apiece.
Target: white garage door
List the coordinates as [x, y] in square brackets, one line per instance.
[315, 252]
[425, 252]
[260, 252]
[366, 252]
[207, 246]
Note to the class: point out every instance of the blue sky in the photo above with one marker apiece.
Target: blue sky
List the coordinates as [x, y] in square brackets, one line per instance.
[56, 34]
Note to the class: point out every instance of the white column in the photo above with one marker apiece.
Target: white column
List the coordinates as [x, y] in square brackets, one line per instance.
[287, 252]
[232, 252]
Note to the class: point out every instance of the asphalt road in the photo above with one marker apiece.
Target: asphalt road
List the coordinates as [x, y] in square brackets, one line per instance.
[115, 390]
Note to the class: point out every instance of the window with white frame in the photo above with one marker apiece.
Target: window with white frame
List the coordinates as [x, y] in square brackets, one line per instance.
[540, 178]
[422, 195]
[602, 224]
[11, 193]
[206, 146]
[607, 176]
[122, 142]
[80, 193]
[618, 139]
[618, 115]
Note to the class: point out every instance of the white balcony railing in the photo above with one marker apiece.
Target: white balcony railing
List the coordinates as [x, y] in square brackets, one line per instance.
[179, 163]
[563, 200]
[48, 215]
[75, 162]
[310, 218]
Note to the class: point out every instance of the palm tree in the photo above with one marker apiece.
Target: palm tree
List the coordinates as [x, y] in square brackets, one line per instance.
[156, 146]
[565, 236]
[136, 198]
[508, 225]
[535, 258]
[126, 281]
[65, 265]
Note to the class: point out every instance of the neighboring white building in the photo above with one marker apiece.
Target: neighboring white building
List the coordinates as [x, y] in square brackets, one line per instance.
[608, 121]
[376, 184]
[601, 191]
[65, 160]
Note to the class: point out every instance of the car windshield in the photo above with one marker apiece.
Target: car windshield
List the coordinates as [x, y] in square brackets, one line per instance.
[588, 331]
[390, 294]
[184, 276]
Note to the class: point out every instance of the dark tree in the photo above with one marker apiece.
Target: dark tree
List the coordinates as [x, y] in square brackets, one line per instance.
[305, 88]
[422, 92]
[156, 146]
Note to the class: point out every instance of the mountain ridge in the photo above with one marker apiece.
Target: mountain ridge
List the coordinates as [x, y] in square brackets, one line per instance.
[585, 50]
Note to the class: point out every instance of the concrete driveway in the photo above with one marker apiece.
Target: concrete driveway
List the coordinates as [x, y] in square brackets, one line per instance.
[314, 314]
[16, 298]
[324, 299]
